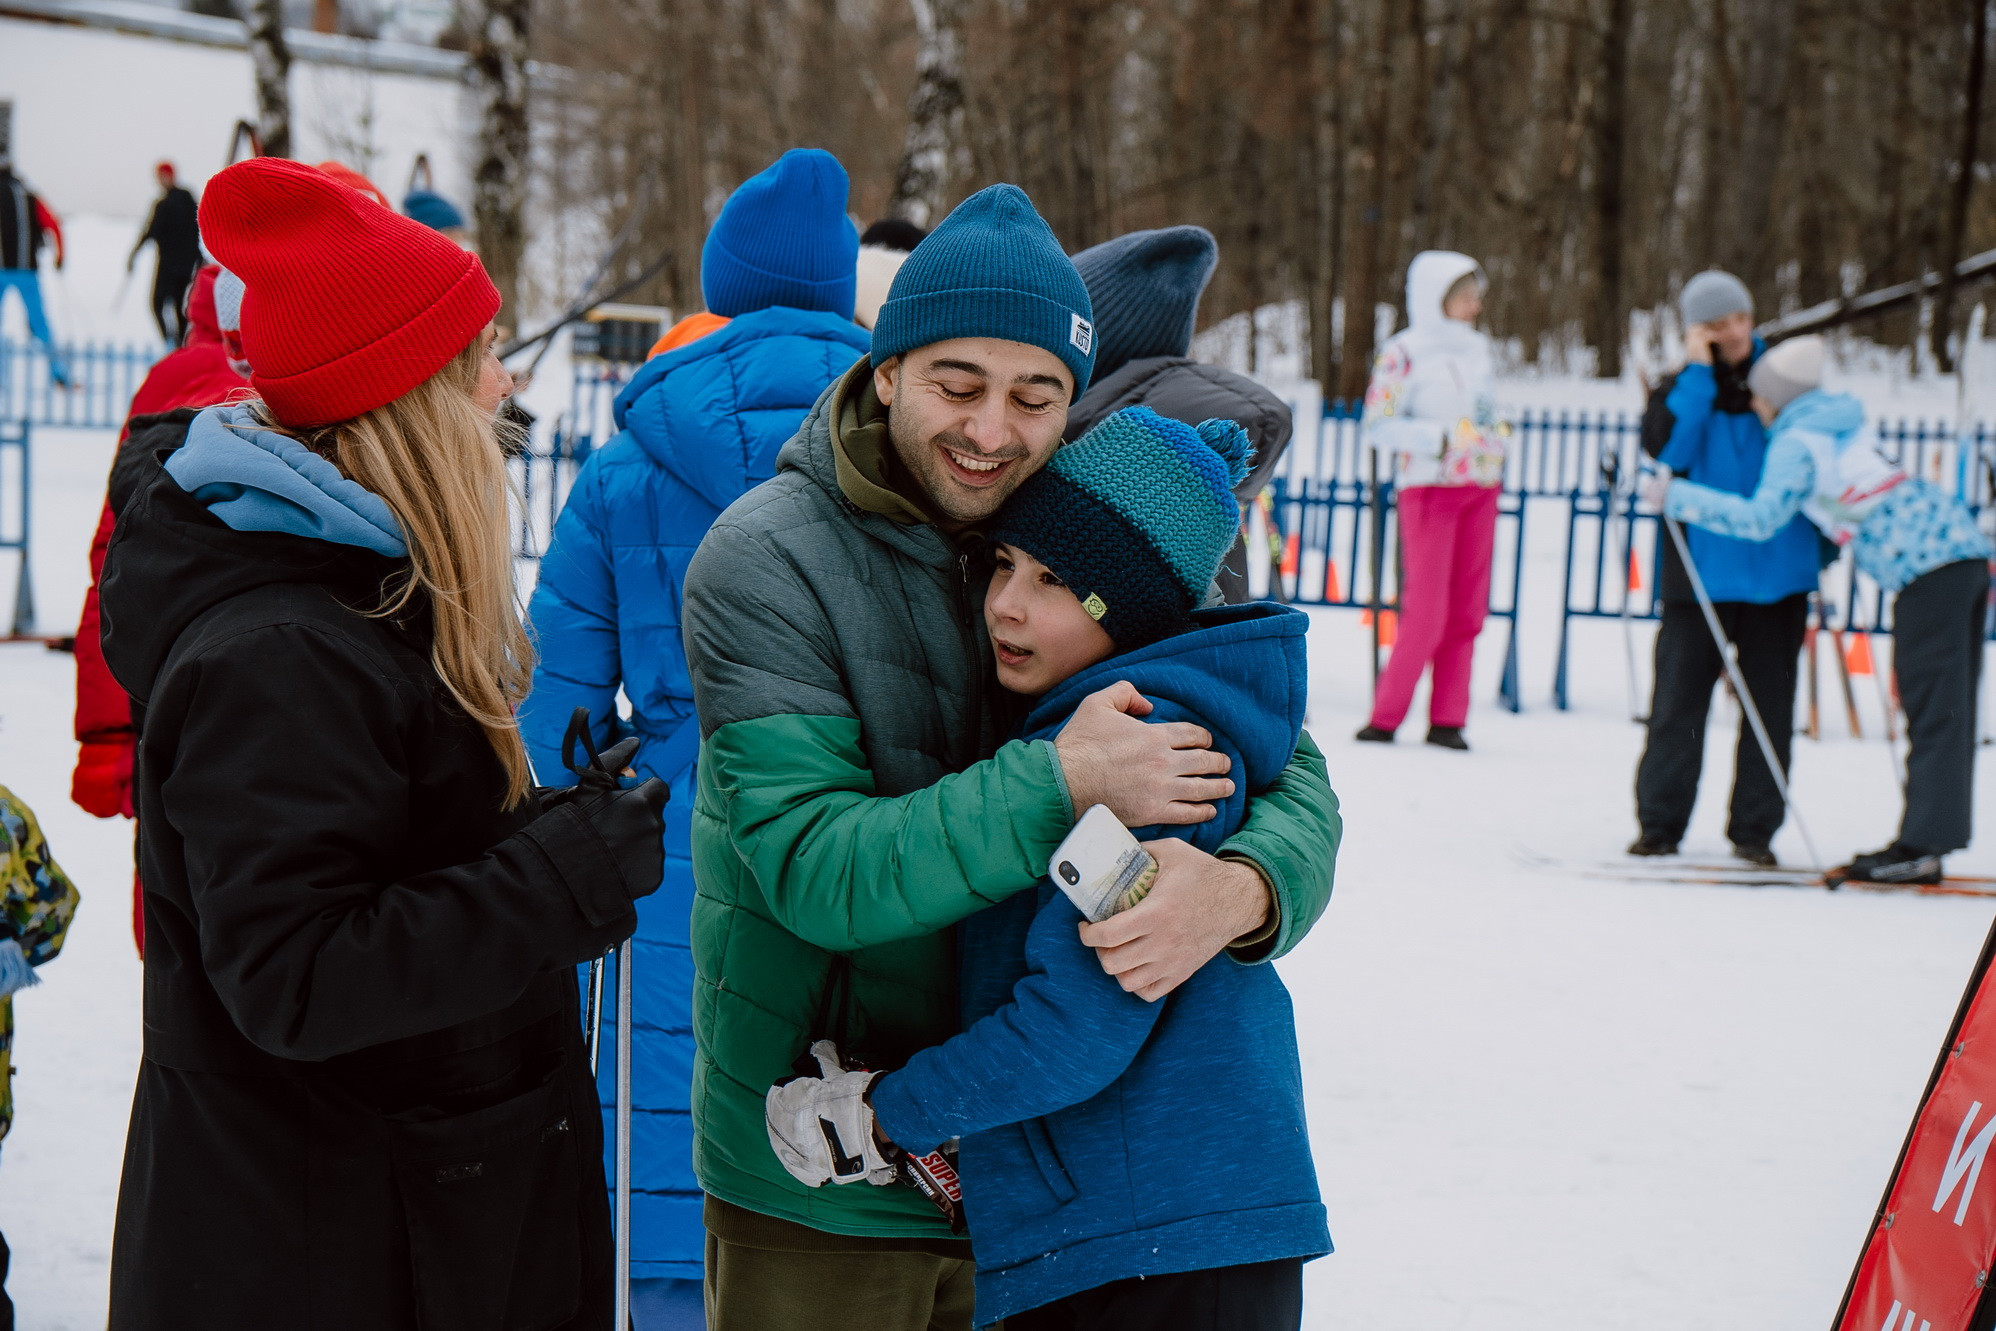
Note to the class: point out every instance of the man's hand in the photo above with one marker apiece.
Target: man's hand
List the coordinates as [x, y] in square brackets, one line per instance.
[1146, 774]
[1698, 339]
[1196, 907]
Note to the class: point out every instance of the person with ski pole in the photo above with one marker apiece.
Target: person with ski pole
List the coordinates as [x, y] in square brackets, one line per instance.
[701, 425]
[1145, 287]
[857, 797]
[1911, 538]
[1699, 424]
[364, 1099]
[1431, 408]
[174, 231]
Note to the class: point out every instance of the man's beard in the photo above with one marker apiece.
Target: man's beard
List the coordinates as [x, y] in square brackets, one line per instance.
[940, 490]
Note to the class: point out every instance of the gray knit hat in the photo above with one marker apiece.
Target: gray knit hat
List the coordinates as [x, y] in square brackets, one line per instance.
[1145, 288]
[1713, 294]
[1787, 371]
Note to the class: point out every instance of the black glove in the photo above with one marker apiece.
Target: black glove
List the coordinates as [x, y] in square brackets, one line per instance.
[630, 820]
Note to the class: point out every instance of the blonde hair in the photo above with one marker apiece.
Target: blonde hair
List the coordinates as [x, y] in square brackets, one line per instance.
[433, 456]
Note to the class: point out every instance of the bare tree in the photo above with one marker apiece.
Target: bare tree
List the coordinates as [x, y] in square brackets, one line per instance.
[270, 59]
[1942, 326]
[498, 32]
[1610, 316]
[934, 144]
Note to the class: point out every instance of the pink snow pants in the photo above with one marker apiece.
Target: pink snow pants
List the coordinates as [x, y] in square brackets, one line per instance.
[1447, 536]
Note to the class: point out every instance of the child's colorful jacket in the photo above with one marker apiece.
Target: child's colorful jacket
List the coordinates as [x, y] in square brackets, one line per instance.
[1823, 462]
[36, 903]
[1103, 1136]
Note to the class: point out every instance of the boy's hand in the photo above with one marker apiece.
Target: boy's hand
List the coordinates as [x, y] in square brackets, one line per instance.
[1197, 906]
[1146, 774]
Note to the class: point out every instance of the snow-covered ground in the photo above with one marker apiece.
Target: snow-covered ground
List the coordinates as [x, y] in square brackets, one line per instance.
[1538, 1099]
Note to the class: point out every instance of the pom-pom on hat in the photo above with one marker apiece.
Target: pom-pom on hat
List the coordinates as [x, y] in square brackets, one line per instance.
[1135, 517]
[1145, 288]
[347, 305]
[783, 238]
[992, 268]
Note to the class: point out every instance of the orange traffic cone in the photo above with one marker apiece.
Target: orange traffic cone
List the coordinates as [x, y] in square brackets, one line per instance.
[1332, 591]
[1289, 549]
[1857, 654]
[1389, 628]
[1635, 572]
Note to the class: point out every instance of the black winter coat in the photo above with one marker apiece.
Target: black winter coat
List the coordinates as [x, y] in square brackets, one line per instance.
[364, 1101]
[175, 227]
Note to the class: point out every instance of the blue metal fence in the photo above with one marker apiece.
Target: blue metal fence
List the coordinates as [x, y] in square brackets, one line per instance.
[100, 382]
[16, 525]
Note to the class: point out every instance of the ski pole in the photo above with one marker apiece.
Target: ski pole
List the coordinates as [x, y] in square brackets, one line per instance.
[1730, 657]
[1626, 557]
[1815, 730]
[594, 1022]
[621, 1300]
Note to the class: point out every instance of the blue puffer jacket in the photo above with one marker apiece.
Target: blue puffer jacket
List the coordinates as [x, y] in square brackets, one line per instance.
[1823, 463]
[1724, 450]
[1105, 1137]
[699, 425]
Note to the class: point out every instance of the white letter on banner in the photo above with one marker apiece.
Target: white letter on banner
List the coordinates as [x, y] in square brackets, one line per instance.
[1969, 1163]
[1893, 1316]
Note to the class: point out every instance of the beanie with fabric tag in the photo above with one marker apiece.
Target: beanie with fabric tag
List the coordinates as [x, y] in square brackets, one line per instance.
[1135, 517]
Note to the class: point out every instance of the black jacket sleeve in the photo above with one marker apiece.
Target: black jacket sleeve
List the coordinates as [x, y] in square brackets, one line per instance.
[289, 792]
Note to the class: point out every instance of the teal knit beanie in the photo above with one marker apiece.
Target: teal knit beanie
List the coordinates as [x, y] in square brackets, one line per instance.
[991, 269]
[1135, 517]
[783, 238]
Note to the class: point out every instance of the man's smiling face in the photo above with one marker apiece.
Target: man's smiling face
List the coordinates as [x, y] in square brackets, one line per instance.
[973, 417]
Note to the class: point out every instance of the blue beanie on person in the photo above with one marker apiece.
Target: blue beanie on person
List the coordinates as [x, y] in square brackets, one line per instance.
[1135, 517]
[433, 210]
[992, 268]
[783, 238]
[1145, 288]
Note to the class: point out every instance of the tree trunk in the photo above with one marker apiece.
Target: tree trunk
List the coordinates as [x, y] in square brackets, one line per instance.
[1964, 186]
[1368, 236]
[270, 58]
[498, 33]
[1327, 153]
[1763, 118]
[930, 154]
[1611, 319]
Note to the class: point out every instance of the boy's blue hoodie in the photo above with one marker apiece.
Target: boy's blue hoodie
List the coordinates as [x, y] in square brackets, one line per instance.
[1105, 1137]
[1823, 462]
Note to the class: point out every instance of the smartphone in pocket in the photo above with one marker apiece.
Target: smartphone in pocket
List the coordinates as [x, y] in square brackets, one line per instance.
[1101, 867]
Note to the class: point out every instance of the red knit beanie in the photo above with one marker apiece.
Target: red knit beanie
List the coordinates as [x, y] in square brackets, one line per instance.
[347, 305]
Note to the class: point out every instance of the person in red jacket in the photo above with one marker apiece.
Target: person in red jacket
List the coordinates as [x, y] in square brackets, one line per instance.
[199, 374]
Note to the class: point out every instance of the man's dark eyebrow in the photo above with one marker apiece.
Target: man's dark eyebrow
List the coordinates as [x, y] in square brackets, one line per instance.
[1049, 380]
[962, 366]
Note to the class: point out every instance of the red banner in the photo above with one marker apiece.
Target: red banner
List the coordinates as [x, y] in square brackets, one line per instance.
[1927, 1263]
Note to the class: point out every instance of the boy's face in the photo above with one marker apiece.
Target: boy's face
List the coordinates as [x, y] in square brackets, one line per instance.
[1039, 632]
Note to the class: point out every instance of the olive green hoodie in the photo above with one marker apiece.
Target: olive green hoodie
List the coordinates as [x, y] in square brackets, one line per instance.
[855, 798]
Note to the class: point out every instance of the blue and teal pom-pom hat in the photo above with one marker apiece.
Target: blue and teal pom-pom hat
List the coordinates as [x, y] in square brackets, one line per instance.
[992, 268]
[783, 238]
[1135, 517]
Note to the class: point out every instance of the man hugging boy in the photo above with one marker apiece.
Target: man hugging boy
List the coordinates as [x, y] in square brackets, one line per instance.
[1124, 1164]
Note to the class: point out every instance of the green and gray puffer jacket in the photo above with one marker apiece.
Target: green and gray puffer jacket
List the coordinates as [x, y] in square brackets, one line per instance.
[853, 798]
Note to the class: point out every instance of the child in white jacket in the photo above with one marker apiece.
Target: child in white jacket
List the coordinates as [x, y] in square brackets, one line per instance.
[1430, 408]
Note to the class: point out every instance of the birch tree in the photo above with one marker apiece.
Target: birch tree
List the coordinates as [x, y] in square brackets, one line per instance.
[931, 152]
[270, 61]
[498, 32]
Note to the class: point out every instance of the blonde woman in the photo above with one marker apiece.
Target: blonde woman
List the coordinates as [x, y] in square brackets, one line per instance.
[364, 1100]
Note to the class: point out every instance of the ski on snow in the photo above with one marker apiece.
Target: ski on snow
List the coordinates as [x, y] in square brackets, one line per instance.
[1738, 873]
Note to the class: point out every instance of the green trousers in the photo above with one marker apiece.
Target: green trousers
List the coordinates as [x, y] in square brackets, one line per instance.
[766, 1274]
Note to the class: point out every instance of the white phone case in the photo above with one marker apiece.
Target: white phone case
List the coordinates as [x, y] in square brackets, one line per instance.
[1101, 867]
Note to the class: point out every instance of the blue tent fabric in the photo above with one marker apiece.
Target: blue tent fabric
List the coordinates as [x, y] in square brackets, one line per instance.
[698, 427]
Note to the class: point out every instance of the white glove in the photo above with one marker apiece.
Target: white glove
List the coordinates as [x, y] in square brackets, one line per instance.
[1654, 486]
[821, 1128]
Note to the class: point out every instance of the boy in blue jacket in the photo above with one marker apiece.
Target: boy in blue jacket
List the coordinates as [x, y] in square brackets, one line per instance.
[1907, 536]
[1124, 1163]
[698, 426]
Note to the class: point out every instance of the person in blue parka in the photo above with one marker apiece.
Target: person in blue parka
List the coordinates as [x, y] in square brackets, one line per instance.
[1700, 425]
[699, 425]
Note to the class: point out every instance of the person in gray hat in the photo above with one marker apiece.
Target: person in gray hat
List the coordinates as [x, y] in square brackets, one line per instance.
[1145, 287]
[1701, 425]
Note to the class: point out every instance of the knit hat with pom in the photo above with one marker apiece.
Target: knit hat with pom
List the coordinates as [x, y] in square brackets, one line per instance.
[1135, 517]
[347, 306]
